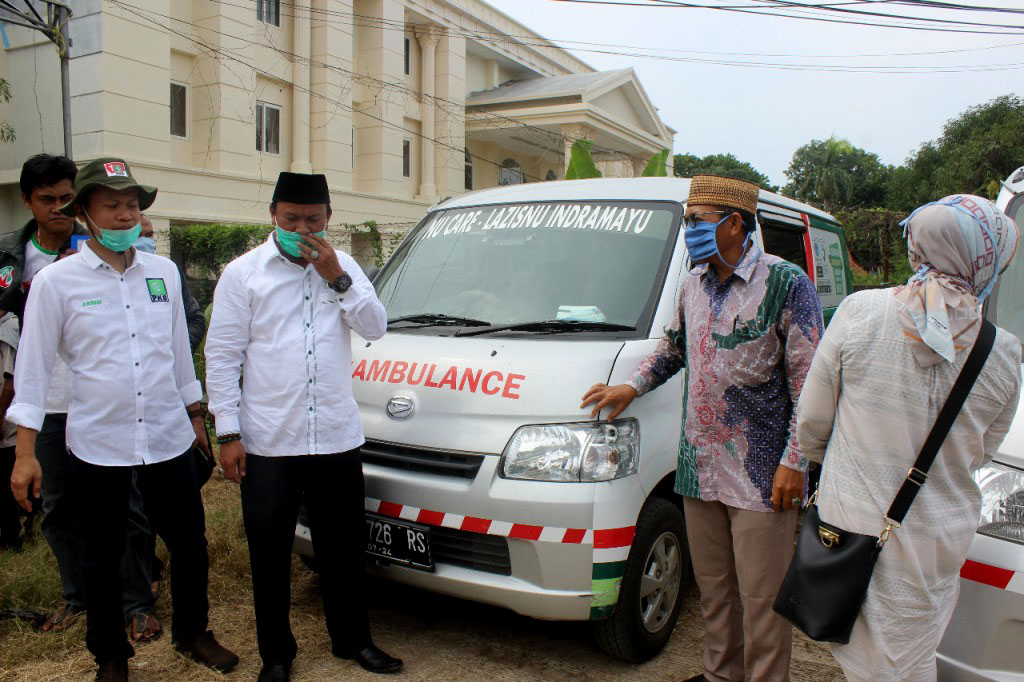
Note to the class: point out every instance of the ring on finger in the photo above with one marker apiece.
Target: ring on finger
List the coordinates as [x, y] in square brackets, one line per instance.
[314, 254]
[796, 501]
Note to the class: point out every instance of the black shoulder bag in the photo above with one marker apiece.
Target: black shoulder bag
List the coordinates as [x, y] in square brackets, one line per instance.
[826, 583]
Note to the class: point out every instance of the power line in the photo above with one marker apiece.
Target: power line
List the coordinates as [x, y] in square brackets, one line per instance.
[902, 69]
[769, 12]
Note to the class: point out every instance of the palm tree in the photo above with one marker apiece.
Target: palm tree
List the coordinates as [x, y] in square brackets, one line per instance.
[830, 181]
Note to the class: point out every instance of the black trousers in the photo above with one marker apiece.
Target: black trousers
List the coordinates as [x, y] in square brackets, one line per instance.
[332, 487]
[10, 512]
[171, 496]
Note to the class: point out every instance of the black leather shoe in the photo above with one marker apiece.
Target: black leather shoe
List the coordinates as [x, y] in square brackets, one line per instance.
[275, 672]
[113, 671]
[373, 660]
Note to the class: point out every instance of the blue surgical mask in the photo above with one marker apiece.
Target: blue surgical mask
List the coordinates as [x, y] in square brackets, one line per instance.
[289, 241]
[147, 244]
[117, 240]
[702, 242]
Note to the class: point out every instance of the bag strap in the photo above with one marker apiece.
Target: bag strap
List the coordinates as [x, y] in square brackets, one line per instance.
[918, 473]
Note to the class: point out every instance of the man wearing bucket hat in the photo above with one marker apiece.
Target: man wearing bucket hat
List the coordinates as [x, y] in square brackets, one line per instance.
[47, 184]
[116, 317]
[746, 328]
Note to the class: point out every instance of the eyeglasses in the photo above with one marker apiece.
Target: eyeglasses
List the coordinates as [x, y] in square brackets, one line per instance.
[692, 220]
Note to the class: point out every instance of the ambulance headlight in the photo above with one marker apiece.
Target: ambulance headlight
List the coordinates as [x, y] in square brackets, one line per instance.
[569, 453]
[1002, 502]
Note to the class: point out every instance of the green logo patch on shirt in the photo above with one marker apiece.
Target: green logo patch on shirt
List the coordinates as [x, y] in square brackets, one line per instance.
[157, 289]
[92, 302]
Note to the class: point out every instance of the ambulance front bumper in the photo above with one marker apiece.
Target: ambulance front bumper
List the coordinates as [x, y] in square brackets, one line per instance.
[514, 592]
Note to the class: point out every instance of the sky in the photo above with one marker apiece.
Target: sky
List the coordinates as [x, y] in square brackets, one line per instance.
[762, 115]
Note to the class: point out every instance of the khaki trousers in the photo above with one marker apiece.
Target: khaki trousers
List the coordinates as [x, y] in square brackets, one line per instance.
[739, 558]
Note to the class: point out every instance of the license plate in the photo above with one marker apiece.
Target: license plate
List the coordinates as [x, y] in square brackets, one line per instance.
[398, 542]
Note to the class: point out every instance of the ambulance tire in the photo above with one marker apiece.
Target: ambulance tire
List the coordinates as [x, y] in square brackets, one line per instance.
[624, 635]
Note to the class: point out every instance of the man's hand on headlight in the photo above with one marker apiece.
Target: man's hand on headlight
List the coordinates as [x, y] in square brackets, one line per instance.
[601, 396]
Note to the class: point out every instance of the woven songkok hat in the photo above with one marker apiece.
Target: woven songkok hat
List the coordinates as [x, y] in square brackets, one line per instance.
[714, 190]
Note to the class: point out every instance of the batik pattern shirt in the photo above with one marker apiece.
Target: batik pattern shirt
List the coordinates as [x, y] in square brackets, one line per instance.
[747, 344]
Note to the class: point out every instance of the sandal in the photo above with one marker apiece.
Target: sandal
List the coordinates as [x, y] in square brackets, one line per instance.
[143, 626]
[61, 620]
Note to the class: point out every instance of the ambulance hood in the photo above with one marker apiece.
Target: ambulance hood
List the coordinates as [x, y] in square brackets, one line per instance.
[472, 393]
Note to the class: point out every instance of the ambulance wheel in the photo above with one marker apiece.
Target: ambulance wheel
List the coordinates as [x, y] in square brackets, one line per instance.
[651, 593]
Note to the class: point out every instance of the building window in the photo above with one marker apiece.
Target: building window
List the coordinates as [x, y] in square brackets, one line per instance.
[469, 170]
[269, 11]
[179, 110]
[406, 158]
[353, 147]
[268, 128]
[408, 55]
[511, 173]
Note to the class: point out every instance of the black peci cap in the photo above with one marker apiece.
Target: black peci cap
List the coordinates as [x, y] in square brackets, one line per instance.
[302, 188]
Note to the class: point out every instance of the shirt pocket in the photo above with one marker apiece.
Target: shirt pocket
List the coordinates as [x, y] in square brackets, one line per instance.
[158, 322]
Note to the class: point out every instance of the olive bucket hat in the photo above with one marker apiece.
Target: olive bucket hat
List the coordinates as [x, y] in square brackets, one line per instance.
[111, 173]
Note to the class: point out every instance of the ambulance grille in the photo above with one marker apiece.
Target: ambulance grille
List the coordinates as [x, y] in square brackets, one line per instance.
[477, 551]
[422, 460]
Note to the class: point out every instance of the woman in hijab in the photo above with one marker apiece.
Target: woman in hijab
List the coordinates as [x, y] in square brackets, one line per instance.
[882, 372]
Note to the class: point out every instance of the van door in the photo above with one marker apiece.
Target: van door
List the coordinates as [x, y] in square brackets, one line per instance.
[815, 245]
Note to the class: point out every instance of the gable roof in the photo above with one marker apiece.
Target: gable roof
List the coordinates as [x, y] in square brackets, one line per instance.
[551, 87]
[619, 93]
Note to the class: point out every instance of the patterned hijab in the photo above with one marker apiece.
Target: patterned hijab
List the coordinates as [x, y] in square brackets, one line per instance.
[958, 246]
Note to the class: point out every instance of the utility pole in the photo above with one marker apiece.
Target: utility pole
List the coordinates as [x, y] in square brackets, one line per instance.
[55, 28]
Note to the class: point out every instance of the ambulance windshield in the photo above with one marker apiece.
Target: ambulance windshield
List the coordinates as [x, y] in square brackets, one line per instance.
[597, 262]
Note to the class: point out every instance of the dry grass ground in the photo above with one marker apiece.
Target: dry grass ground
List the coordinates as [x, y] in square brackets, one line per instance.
[440, 638]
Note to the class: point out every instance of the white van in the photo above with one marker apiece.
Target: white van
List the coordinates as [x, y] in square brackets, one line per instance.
[484, 478]
[985, 637]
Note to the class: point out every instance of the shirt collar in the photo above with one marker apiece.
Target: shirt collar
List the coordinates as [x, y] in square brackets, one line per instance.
[94, 261]
[745, 269]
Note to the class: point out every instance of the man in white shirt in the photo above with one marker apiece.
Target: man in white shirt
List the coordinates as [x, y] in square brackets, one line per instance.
[291, 431]
[47, 184]
[115, 316]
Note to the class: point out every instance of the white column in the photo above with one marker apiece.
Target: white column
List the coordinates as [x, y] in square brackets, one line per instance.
[301, 89]
[428, 49]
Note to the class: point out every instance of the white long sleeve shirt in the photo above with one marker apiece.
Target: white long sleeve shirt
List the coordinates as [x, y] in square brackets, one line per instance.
[291, 334]
[126, 342]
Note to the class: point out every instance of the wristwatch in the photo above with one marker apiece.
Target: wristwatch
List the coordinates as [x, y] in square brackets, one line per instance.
[341, 283]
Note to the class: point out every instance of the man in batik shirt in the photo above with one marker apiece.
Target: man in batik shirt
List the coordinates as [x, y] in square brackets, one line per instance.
[746, 328]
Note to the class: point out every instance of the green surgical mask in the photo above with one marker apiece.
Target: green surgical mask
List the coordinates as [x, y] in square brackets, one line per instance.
[117, 240]
[289, 241]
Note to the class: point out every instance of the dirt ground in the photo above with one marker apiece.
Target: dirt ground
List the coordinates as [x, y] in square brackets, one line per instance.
[440, 638]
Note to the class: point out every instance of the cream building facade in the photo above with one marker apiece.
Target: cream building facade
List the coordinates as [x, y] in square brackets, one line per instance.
[399, 102]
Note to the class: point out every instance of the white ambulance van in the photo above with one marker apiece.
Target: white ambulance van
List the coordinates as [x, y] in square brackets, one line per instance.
[484, 478]
[985, 637]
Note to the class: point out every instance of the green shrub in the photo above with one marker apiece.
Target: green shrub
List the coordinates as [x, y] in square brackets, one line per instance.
[208, 248]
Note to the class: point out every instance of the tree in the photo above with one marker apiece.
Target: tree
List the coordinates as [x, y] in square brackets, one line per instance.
[975, 152]
[581, 163]
[835, 174]
[726, 165]
[6, 130]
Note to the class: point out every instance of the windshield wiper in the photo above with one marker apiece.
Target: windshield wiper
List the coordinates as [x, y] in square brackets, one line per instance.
[434, 319]
[552, 327]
